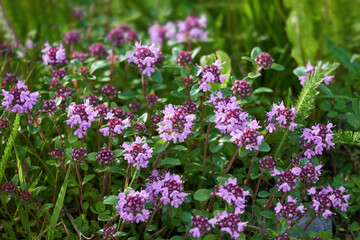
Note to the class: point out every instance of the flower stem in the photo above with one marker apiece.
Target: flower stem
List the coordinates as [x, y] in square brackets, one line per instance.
[143, 84]
[202, 116]
[127, 176]
[126, 75]
[81, 189]
[307, 225]
[231, 161]
[58, 129]
[103, 186]
[154, 212]
[257, 187]
[281, 144]
[205, 153]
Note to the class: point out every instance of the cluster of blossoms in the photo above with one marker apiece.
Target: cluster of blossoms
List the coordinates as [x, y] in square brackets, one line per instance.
[151, 99]
[10, 79]
[139, 127]
[103, 111]
[188, 80]
[8, 187]
[317, 138]
[191, 107]
[229, 116]
[93, 99]
[137, 153]
[289, 210]
[210, 74]
[176, 124]
[57, 153]
[63, 93]
[19, 99]
[59, 74]
[241, 88]
[72, 37]
[200, 225]
[234, 195]
[121, 34]
[54, 85]
[327, 197]
[109, 232]
[309, 70]
[145, 58]
[308, 173]
[166, 188]
[49, 106]
[267, 163]
[54, 56]
[109, 91]
[287, 179]
[184, 58]
[283, 236]
[192, 28]
[229, 223]
[279, 116]
[131, 207]
[249, 136]
[79, 154]
[159, 33]
[97, 50]
[81, 56]
[105, 156]
[115, 126]
[26, 196]
[80, 118]
[4, 124]
[264, 61]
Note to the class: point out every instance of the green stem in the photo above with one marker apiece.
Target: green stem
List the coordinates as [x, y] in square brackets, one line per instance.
[281, 144]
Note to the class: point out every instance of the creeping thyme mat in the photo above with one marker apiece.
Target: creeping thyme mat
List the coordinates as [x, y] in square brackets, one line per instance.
[144, 138]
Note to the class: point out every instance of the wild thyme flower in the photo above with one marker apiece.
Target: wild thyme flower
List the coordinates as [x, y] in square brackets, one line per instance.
[78, 13]
[78, 154]
[80, 56]
[54, 85]
[191, 107]
[93, 100]
[131, 207]
[151, 186]
[115, 126]
[193, 27]
[309, 71]
[97, 50]
[229, 223]
[10, 79]
[57, 153]
[287, 179]
[59, 74]
[144, 57]
[54, 57]
[159, 33]
[119, 113]
[200, 226]
[289, 210]
[267, 163]
[63, 93]
[109, 232]
[4, 124]
[151, 99]
[156, 119]
[233, 194]
[318, 138]
[105, 156]
[26, 196]
[80, 118]
[137, 153]
[264, 61]
[241, 88]
[339, 199]
[109, 91]
[210, 74]
[49, 106]
[116, 36]
[308, 173]
[102, 110]
[19, 99]
[84, 71]
[176, 124]
[72, 37]
[248, 136]
[8, 187]
[139, 127]
[279, 116]
[284, 236]
[168, 189]
[187, 81]
[184, 58]
[134, 106]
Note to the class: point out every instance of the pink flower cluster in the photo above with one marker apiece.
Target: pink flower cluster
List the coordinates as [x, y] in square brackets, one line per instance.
[200, 226]
[279, 116]
[234, 195]
[290, 209]
[309, 71]
[193, 27]
[137, 153]
[131, 207]
[210, 74]
[229, 223]
[249, 136]
[145, 57]
[159, 33]
[54, 56]
[115, 126]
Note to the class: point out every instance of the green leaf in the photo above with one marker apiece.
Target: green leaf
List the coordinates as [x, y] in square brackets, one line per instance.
[248, 59]
[272, 232]
[264, 147]
[277, 67]
[263, 194]
[58, 206]
[104, 217]
[156, 76]
[298, 231]
[354, 227]
[98, 64]
[186, 216]
[215, 146]
[143, 118]
[160, 146]
[202, 195]
[225, 60]
[254, 74]
[92, 156]
[72, 138]
[111, 200]
[263, 90]
[256, 51]
[206, 60]
[88, 178]
[170, 161]
[268, 214]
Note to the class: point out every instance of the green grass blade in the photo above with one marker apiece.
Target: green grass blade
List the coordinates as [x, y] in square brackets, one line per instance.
[58, 207]
[9, 145]
[19, 165]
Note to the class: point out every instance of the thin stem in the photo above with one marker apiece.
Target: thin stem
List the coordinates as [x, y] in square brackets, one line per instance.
[143, 84]
[127, 176]
[103, 186]
[154, 212]
[126, 75]
[281, 144]
[58, 129]
[202, 115]
[205, 153]
[231, 161]
[133, 178]
[158, 160]
[122, 225]
[307, 225]
[81, 188]
[99, 134]
[257, 187]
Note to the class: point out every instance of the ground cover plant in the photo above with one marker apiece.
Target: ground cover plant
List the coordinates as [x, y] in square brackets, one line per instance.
[152, 130]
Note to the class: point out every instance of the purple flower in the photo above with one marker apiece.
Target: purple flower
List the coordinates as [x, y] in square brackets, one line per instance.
[119, 113]
[267, 163]
[139, 127]
[187, 81]
[137, 153]
[105, 156]
[8, 187]
[156, 119]
[54, 85]
[4, 124]
[284, 236]
[279, 116]
[241, 88]
[318, 138]
[115, 126]
[193, 27]
[310, 69]
[10, 79]
[80, 118]
[19, 99]
[264, 61]
[287, 179]
[131, 207]
[54, 56]
[72, 37]
[63, 93]
[79, 154]
[184, 58]
[151, 99]
[308, 173]
[49, 106]
[158, 33]
[191, 107]
[134, 106]
[176, 124]
[109, 232]
[59, 74]
[200, 226]
[26, 196]
[144, 57]
[249, 136]
[116, 35]
[97, 50]
[79, 56]
[229, 223]
[233, 194]
[289, 210]
[57, 153]
[210, 74]
[78, 13]
[93, 99]
[166, 188]
[109, 91]
[102, 110]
